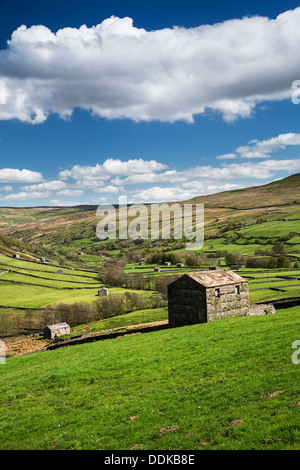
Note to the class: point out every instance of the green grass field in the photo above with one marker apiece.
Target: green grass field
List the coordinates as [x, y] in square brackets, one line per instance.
[51, 287]
[18, 263]
[133, 318]
[229, 384]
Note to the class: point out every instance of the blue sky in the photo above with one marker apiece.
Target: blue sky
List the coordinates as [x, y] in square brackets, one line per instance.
[164, 101]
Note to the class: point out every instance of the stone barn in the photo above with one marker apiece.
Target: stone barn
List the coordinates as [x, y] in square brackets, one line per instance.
[206, 296]
[103, 291]
[59, 329]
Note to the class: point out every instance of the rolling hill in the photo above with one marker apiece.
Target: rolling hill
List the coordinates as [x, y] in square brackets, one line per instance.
[76, 226]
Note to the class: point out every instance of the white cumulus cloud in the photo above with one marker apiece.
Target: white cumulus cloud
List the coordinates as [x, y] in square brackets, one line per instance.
[54, 185]
[115, 70]
[26, 195]
[14, 175]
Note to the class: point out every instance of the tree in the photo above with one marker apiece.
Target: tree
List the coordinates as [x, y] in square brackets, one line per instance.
[278, 248]
[235, 258]
[113, 276]
[283, 262]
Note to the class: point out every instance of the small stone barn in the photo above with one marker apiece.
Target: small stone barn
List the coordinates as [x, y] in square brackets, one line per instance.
[206, 296]
[103, 291]
[59, 329]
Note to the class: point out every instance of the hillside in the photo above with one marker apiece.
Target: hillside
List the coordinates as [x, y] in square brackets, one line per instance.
[281, 192]
[77, 226]
[229, 384]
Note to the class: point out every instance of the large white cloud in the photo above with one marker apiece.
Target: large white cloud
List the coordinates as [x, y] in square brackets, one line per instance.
[185, 192]
[111, 167]
[26, 195]
[53, 185]
[263, 148]
[14, 175]
[116, 70]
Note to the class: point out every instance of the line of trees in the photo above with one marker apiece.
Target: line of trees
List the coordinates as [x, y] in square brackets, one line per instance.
[269, 262]
[82, 312]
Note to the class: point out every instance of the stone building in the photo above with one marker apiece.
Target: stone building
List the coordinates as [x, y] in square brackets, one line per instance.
[157, 269]
[103, 291]
[206, 296]
[54, 331]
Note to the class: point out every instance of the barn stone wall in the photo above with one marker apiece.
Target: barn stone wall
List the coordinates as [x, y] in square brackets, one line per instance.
[229, 303]
[187, 302]
[60, 330]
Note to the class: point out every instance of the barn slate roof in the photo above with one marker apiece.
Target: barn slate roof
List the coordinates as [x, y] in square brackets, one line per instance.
[219, 277]
[57, 326]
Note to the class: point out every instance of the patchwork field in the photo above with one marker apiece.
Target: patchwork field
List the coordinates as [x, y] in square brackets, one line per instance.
[38, 285]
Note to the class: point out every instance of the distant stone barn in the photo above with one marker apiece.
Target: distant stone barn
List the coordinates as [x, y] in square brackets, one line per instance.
[206, 296]
[103, 291]
[54, 331]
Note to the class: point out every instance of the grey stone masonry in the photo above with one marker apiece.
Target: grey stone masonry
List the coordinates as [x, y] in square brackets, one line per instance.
[228, 303]
[262, 309]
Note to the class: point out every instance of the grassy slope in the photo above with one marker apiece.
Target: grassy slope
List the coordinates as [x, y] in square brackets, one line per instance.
[229, 384]
[281, 192]
[54, 225]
